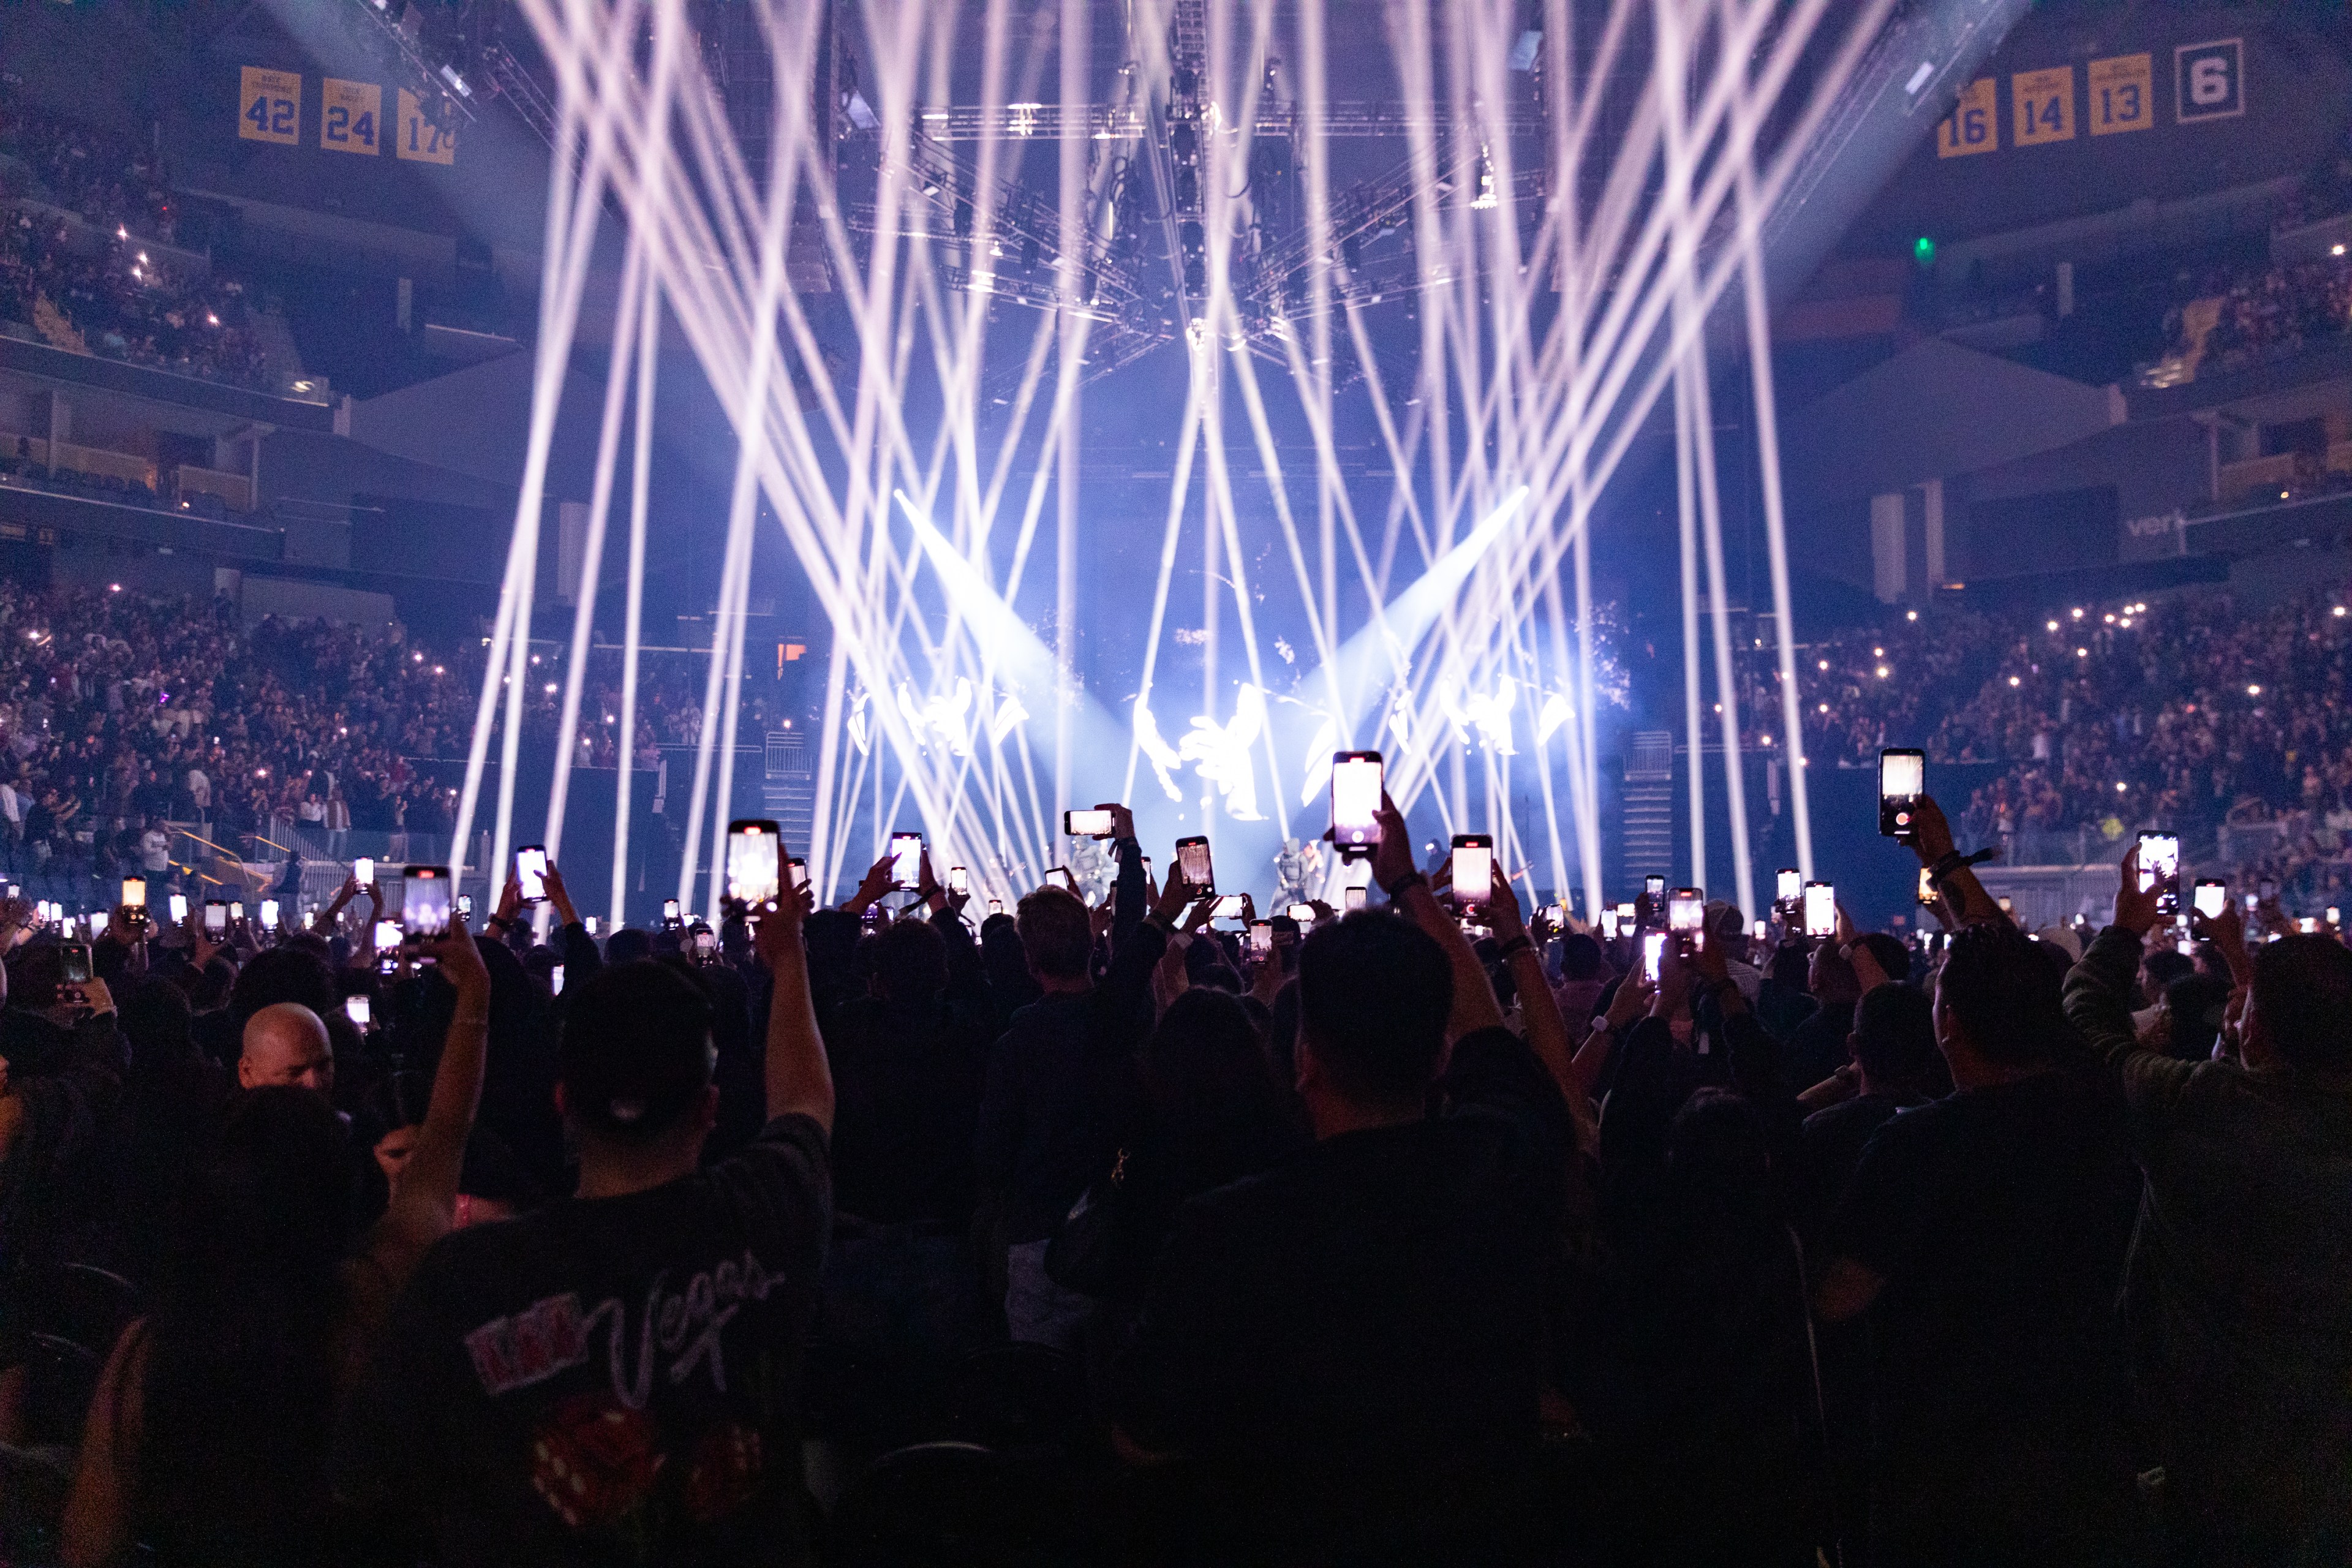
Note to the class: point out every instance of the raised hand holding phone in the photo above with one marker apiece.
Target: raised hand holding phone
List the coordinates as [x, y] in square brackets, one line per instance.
[2139, 907]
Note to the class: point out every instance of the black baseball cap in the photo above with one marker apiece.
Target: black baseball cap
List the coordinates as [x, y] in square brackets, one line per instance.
[636, 1055]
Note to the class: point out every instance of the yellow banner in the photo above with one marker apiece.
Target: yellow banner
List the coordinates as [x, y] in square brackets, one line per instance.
[348, 116]
[269, 105]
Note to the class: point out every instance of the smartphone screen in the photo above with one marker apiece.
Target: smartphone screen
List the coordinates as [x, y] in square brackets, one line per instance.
[1086, 824]
[669, 911]
[387, 935]
[426, 902]
[1193, 858]
[1656, 886]
[134, 893]
[555, 981]
[179, 907]
[755, 853]
[1474, 867]
[2159, 870]
[364, 871]
[1609, 925]
[76, 961]
[1654, 956]
[1261, 937]
[1902, 780]
[1353, 898]
[531, 872]
[800, 873]
[2212, 897]
[1788, 887]
[1302, 914]
[1229, 908]
[1821, 909]
[705, 944]
[997, 906]
[237, 908]
[215, 919]
[1686, 911]
[906, 859]
[359, 1010]
[592, 925]
[465, 906]
[99, 921]
[269, 913]
[1927, 887]
[1356, 802]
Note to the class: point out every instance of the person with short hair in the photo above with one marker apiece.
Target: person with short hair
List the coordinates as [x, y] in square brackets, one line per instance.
[1353, 1341]
[2239, 1300]
[617, 1376]
[1061, 1082]
[1984, 1233]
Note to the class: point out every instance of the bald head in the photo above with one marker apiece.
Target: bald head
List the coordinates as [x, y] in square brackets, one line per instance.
[285, 1046]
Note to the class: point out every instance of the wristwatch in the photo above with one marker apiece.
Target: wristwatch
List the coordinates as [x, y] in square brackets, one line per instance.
[1404, 885]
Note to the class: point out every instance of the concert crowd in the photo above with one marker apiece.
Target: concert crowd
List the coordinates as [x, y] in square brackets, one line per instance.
[888, 1233]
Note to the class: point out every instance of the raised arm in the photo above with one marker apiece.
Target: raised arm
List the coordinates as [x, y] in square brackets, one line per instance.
[800, 1079]
[1546, 1031]
[425, 1201]
[1932, 841]
[1475, 1006]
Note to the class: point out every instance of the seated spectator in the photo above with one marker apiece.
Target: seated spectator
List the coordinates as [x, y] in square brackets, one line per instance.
[619, 1373]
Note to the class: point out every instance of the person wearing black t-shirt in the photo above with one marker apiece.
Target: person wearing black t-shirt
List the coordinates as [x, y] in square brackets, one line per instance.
[1984, 1235]
[615, 1378]
[1350, 1348]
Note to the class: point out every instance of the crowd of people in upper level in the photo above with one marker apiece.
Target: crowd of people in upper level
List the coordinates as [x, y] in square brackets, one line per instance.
[2264, 312]
[881, 1234]
[2185, 709]
[103, 283]
[119, 711]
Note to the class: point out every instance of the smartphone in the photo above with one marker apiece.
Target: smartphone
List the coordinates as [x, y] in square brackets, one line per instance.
[1654, 956]
[1821, 909]
[465, 906]
[530, 873]
[1093, 823]
[906, 859]
[2306, 925]
[1902, 780]
[98, 920]
[237, 911]
[1625, 919]
[269, 914]
[1687, 914]
[1356, 784]
[1302, 914]
[799, 870]
[2334, 915]
[1228, 908]
[592, 925]
[1926, 894]
[1193, 860]
[215, 919]
[1474, 868]
[426, 902]
[134, 893]
[669, 911]
[555, 981]
[2212, 897]
[364, 871]
[179, 907]
[1654, 885]
[2159, 870]
[997, 906]
[755, 861]
[959, 881]
[77, 961]
[359, 1010]
[705, 945]
[1352, 898]
[1261, 937]
[1609, 925]
[1788, 887]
